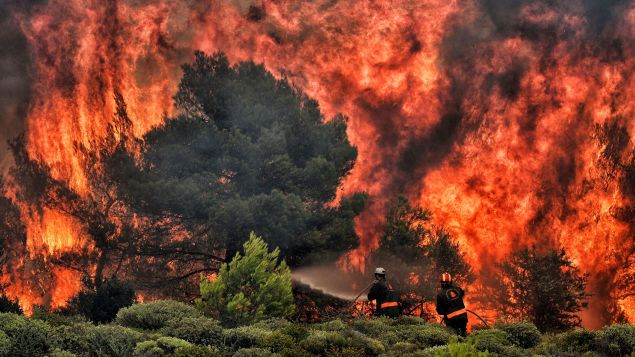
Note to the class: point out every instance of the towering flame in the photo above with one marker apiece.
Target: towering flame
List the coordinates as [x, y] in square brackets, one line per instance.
[494, 116]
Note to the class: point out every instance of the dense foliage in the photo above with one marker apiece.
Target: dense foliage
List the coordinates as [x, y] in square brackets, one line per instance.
[101, 303]
[545, 288]
[184, 334]
[9, 305]
[248, 153]
[252, 287]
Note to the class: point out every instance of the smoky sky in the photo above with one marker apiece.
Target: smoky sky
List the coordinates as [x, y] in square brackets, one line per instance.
[14, 76]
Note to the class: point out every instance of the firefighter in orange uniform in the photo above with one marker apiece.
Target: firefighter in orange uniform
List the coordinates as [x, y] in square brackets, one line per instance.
[450, 305]
[387, 301]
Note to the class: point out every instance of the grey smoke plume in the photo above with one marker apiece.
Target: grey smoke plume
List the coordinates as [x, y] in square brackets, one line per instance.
[14, 81]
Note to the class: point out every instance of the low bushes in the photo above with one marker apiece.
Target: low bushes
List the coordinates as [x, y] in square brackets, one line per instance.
[253, 352]
[378, 328]
[245, 337]
[155, 315]
[522, 334]
[60, 353]
[27, 337]
[197, 330]
[458, 349]
[425, 335]
[183, 332]
[616, 340]
[491, 340]
[196, 351]
[73, 338]
[148, 349]
[5, 344]
[113, 340]
[163, 346]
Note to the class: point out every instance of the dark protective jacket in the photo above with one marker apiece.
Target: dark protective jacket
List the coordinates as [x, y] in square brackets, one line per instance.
[450, 303]
[387, 301]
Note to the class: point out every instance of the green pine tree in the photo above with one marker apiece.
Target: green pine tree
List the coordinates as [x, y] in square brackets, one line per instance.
[250, 288]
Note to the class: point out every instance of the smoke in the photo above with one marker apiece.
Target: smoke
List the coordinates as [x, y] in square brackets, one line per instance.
[14, 80]
[333, 280]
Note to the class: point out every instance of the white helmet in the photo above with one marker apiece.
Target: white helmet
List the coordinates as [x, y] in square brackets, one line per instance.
[380, 271]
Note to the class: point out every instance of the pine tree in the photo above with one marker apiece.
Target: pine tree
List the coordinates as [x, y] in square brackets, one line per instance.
[544, 288]
[252, 287]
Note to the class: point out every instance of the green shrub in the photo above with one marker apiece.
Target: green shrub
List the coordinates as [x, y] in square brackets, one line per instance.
[570, 344]
[460, 349]
[425, 335]
[113, 340]
[170, 344]
[252, 287]
[512, 351]
[28, 337]
[296, 331]
[361, 342]
[428, 352]
[523, 334]
[615, 340]
[197, 330]
[155, 315]
[148, 349]
[252, 352]
[74, 338]
[400, 348]
[10, 320]
[491, 340]
[61, 353]
[334, 325]
[278, 341]
[378, 328]
[274, 323]
[196, 351]
[409, 320]
[323, 342]
[100, 304]
[5, 344]
[163, 346]
[245, 337]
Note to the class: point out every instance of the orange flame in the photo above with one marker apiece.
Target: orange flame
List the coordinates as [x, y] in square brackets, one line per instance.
[490, 126]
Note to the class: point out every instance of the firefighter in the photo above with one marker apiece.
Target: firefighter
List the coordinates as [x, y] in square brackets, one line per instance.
[450, 305]
[387, 301]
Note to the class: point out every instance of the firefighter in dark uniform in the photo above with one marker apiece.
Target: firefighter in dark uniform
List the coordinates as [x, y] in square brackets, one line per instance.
[450, 305]
[387, 301]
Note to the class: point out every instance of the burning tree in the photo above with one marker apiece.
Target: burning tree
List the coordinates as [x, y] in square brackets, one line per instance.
[617, 164]
[249, 152]
[112, 231]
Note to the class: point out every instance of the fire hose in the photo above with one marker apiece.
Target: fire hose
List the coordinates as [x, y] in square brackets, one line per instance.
[408, 312]
[360, 293]
[371, 284]
[479, 317]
